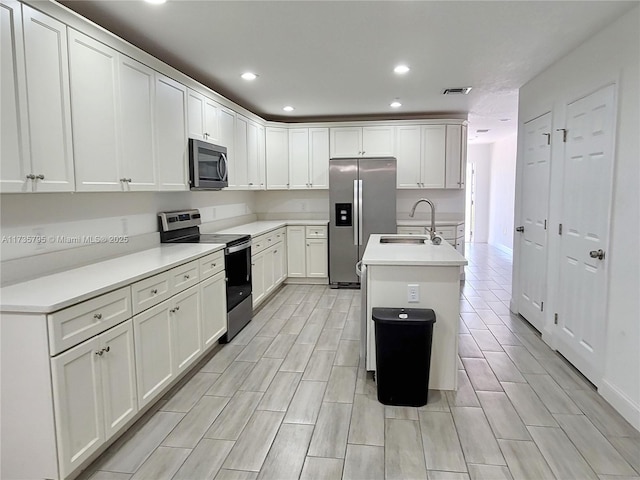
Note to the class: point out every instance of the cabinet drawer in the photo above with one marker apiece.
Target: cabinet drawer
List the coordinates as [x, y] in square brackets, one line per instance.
[279, 235]
[259, 243]
[150, 291]
[211, 264]
[184, 276]
[75, 324]
[316, 232]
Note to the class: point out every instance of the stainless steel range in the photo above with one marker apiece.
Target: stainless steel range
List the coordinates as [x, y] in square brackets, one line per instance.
[182, 227]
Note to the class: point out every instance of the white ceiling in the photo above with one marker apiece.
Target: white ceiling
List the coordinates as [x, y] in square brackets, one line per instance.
[335, 59]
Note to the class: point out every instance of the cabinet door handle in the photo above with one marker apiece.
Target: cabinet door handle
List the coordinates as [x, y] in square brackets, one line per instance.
[40, 177]
[31, 176]
[100, 352]
[174, 310]
[98, 316]
[107, 349]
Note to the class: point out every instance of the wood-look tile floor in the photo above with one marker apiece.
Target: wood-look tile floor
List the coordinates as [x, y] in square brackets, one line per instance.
[287, 399]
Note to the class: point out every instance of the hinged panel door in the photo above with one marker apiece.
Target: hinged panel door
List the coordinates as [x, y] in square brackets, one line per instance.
[433, 156]
[319, 158]
[47, 73]
[299, 158]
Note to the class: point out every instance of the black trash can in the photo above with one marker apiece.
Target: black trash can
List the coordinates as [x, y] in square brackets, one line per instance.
[403, 354]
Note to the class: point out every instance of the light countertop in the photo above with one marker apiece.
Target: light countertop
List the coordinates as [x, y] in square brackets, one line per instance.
[443, 255]
[263, 226]
[54, 292]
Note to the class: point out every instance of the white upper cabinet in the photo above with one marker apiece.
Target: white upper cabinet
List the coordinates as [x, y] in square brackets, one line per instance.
[408, 155]
[238, 174]
[15, 160]
[277, 158]
[378, 141]
[370, 141]
[309, 158]
[299, 158]
[433, 156]
[137, 94]
[37, 153]
[456, 156]
[94, 102]
[255, 156]
[203, 117]
[171, 134]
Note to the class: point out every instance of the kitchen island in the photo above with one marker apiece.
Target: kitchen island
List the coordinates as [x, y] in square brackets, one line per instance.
[432, 272]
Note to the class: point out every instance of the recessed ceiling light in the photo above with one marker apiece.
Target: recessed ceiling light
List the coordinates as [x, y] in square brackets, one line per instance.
[395, 104]
[401, 69]
[155, 2]
[288, 108]
[249, 76]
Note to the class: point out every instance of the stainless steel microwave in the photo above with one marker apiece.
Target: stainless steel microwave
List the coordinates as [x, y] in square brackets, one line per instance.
[208, 166]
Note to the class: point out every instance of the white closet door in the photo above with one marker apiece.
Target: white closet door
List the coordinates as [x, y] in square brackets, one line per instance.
[535, 207]
[587, 184]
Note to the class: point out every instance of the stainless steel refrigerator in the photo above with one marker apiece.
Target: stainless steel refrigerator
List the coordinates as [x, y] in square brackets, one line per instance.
[362, 201]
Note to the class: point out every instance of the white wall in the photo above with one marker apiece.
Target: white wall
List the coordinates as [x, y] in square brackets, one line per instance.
[613, 55]
[480, 157]
[502, 193]
[314, 204]
[133, 215]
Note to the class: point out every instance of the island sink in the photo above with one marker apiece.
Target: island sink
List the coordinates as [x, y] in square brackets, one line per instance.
[410, 240]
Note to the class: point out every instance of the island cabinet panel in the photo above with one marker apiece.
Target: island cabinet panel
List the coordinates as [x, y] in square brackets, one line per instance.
[439, 289]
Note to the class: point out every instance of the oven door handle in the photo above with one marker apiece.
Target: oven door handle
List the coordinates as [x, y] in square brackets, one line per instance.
[237, 248]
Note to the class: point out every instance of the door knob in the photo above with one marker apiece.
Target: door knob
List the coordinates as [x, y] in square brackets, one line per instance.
[520, 229]
[599, 254]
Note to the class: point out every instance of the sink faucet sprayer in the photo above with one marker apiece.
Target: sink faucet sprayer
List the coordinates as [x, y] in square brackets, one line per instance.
[432, 233]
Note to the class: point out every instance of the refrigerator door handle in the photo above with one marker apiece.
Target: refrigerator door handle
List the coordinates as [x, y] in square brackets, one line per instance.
[359, 212]
[356, 220]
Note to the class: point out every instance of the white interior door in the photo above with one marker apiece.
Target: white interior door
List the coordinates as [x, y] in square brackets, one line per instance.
[588, 167]
[535, 205]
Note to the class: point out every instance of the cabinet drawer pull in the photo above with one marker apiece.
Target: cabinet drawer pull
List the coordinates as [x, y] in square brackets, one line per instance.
[186, 277]
[98, 316]
[275, 251]
[154, 291]
[213, 265]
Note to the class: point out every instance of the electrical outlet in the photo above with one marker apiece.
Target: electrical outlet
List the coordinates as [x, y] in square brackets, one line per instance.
[413, 293]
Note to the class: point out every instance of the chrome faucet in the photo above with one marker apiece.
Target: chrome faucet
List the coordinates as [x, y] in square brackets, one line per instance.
[432, 232]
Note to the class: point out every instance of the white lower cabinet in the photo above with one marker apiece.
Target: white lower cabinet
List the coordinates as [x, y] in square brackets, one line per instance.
[154, 363]
[307, 252]
[213, 308]
[268, 264]
[186, 328]
[317, 258]
[94, 393]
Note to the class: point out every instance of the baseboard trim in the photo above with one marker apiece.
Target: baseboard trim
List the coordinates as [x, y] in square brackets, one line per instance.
[621, 402]
[307, 281]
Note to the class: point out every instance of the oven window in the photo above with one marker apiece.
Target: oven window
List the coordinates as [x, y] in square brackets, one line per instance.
[238, 267]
